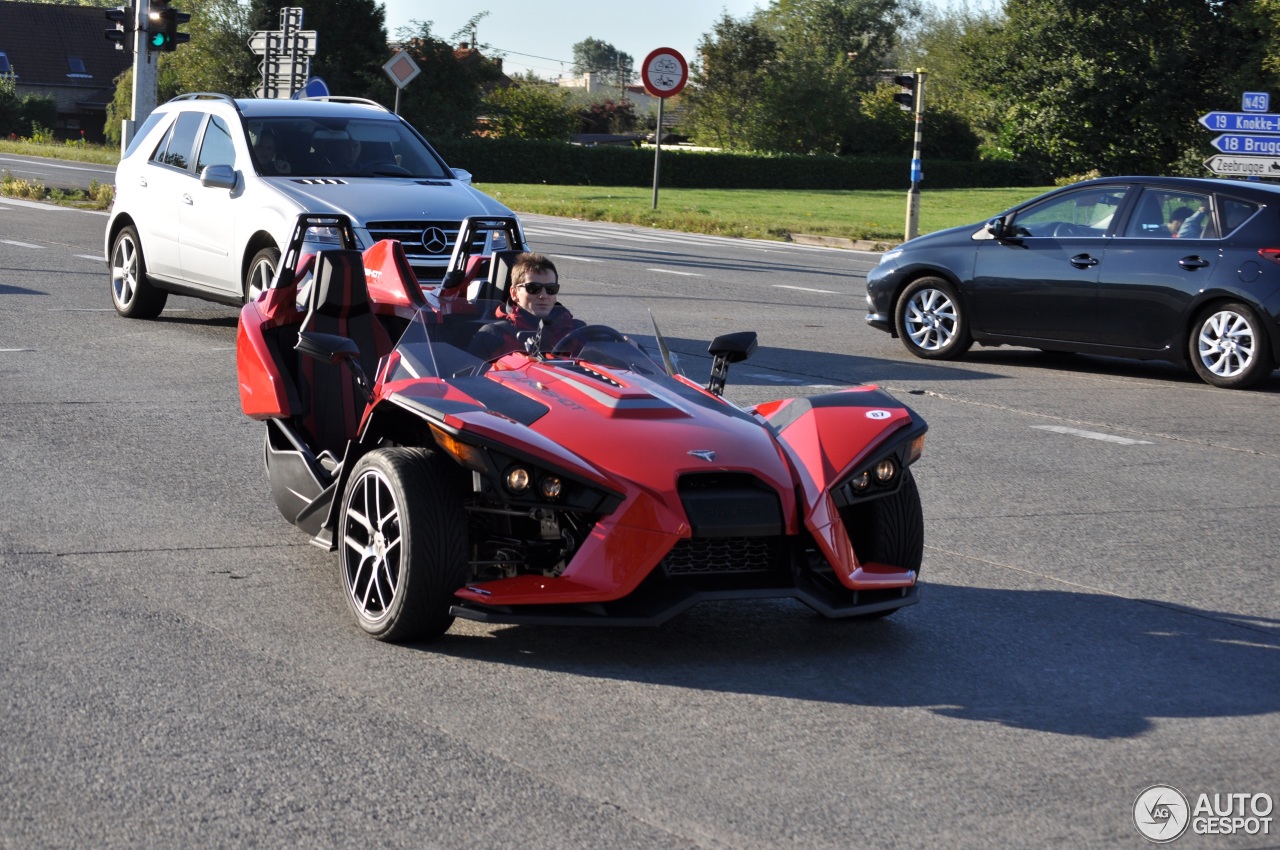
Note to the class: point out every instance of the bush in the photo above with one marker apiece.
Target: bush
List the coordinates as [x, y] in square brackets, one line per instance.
[529, 161]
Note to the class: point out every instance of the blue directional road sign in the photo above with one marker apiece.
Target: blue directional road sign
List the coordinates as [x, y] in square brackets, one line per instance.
[1248, 145]
[1241, 122]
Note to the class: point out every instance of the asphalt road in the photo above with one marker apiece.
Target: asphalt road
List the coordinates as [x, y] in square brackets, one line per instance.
[56, 173]
[177, 668]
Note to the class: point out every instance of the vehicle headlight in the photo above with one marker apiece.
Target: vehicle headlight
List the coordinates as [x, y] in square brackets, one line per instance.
[860, 482]
[518, 479]
[323, 235]
[551, 487]
[886, 470]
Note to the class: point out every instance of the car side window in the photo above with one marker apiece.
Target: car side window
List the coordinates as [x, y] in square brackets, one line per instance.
[1235, 213]
[1166, 214]
[216, 148]
[176, 148]
[1077, 214]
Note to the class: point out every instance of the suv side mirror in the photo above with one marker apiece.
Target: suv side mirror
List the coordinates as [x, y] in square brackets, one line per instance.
[996, 228]
[463, 175]
[218, 176]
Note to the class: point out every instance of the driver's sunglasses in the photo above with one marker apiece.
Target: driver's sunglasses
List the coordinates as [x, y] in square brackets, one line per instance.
[536, 288]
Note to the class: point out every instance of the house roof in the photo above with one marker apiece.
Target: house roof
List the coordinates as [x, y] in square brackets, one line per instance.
[41, 39]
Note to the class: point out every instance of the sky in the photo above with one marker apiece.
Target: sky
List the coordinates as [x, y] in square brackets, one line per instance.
[540, 34]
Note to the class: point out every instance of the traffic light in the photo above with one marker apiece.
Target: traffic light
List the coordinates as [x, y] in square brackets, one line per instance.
[123, 18]
[162, 26]
[906, 99]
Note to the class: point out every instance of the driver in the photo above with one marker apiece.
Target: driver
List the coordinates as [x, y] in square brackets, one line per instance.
[530, 303]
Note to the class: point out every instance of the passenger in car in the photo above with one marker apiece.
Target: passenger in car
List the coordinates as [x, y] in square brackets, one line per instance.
[268, 157]
[531, 306]
[1176, 218]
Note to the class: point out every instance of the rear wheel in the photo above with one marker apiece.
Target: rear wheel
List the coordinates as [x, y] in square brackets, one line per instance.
[262, 271]
[133, 296]
[1228, 347]
[930, 320]
[403, 548]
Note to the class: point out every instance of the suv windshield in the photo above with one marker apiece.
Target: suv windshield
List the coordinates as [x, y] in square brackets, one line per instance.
[340, 147]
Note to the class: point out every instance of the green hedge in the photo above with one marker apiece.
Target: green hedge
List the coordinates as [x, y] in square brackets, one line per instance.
[557, 163]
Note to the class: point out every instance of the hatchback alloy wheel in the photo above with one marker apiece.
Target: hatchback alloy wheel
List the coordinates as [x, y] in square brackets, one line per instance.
[930, 321]
[1226, 347]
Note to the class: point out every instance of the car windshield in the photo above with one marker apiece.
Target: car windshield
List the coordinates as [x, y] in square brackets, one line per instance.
[319, 146]
[437, 344]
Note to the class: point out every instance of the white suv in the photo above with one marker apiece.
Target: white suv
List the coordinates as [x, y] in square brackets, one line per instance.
[211, 187]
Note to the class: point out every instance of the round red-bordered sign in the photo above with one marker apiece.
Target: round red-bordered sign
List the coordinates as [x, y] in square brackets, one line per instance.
[664, 72]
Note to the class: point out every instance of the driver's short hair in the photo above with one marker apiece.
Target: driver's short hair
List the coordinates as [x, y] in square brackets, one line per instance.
[530, 263]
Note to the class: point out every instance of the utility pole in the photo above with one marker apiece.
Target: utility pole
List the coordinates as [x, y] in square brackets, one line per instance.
[913, 88]
[144, 74]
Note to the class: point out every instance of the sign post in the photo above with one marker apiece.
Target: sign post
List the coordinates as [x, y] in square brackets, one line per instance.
[664, 73]
[1248, 154]
[286, 55]
[401, 69]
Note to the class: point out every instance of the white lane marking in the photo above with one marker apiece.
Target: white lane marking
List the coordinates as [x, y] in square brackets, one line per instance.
[21, 244]
[682, 274]
[96, 257]
[579, 259]
[1092, 435]
[794, 382]
[12, 350]
[805, 289]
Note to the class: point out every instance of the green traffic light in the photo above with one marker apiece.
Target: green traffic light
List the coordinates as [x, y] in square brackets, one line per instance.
[159, 40]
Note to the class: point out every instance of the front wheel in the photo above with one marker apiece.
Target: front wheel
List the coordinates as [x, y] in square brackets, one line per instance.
[403, 549]
[133, 296]
[1228, 347]
[930, 320]
[890, 530]
[262, 271]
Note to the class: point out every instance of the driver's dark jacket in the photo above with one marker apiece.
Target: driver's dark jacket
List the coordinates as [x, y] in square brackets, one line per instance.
[500, 337]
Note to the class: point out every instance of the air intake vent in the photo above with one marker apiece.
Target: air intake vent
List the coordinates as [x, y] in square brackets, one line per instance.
[431, 182]
[320, 181]
[730, 504]
[724, 556]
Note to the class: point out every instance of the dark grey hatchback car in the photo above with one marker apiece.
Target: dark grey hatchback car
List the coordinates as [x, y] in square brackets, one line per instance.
[1155, 268]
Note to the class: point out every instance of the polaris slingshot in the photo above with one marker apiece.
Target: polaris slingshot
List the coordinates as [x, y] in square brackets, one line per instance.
[587, 482]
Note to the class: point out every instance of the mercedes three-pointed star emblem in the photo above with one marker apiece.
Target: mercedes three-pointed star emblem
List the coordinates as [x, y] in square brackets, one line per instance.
[434, 240]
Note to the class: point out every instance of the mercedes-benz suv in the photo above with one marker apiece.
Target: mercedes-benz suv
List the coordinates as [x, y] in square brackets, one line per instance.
[210, 188]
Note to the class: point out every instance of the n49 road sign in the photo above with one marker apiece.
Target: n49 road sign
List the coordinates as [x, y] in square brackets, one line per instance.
[1243, 166]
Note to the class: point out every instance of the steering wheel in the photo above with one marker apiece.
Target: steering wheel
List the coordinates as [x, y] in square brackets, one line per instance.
[573, 342]
[387, 167]
[1063, 228]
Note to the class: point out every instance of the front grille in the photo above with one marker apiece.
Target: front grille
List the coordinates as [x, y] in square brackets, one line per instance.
[429, 262]
[702, 556]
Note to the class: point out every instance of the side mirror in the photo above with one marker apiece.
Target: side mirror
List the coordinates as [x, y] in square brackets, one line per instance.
[734, 348]
[996, 228]
[463, 175]
[730, 348]
[218, 177]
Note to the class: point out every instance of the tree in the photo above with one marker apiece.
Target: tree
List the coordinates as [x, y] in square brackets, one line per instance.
[730, 87]
[446, 98]
[1112, 85]
[791, 77]
[530, 110]
[592, 56]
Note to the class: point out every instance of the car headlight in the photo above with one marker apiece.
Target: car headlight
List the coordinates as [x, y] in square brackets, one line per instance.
[323, 235]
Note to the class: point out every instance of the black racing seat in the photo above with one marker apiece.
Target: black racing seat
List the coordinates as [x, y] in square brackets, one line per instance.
[338, 304]
[498, 285]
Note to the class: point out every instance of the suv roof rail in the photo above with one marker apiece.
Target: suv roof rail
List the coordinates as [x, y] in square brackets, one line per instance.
[339, 98]
[206, 95]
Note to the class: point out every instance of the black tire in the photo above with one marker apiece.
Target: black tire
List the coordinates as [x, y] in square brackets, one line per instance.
[930, 321]
[133, 296]
[1228, 347]
[402, 547]
[262, 271]
[890, 530]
